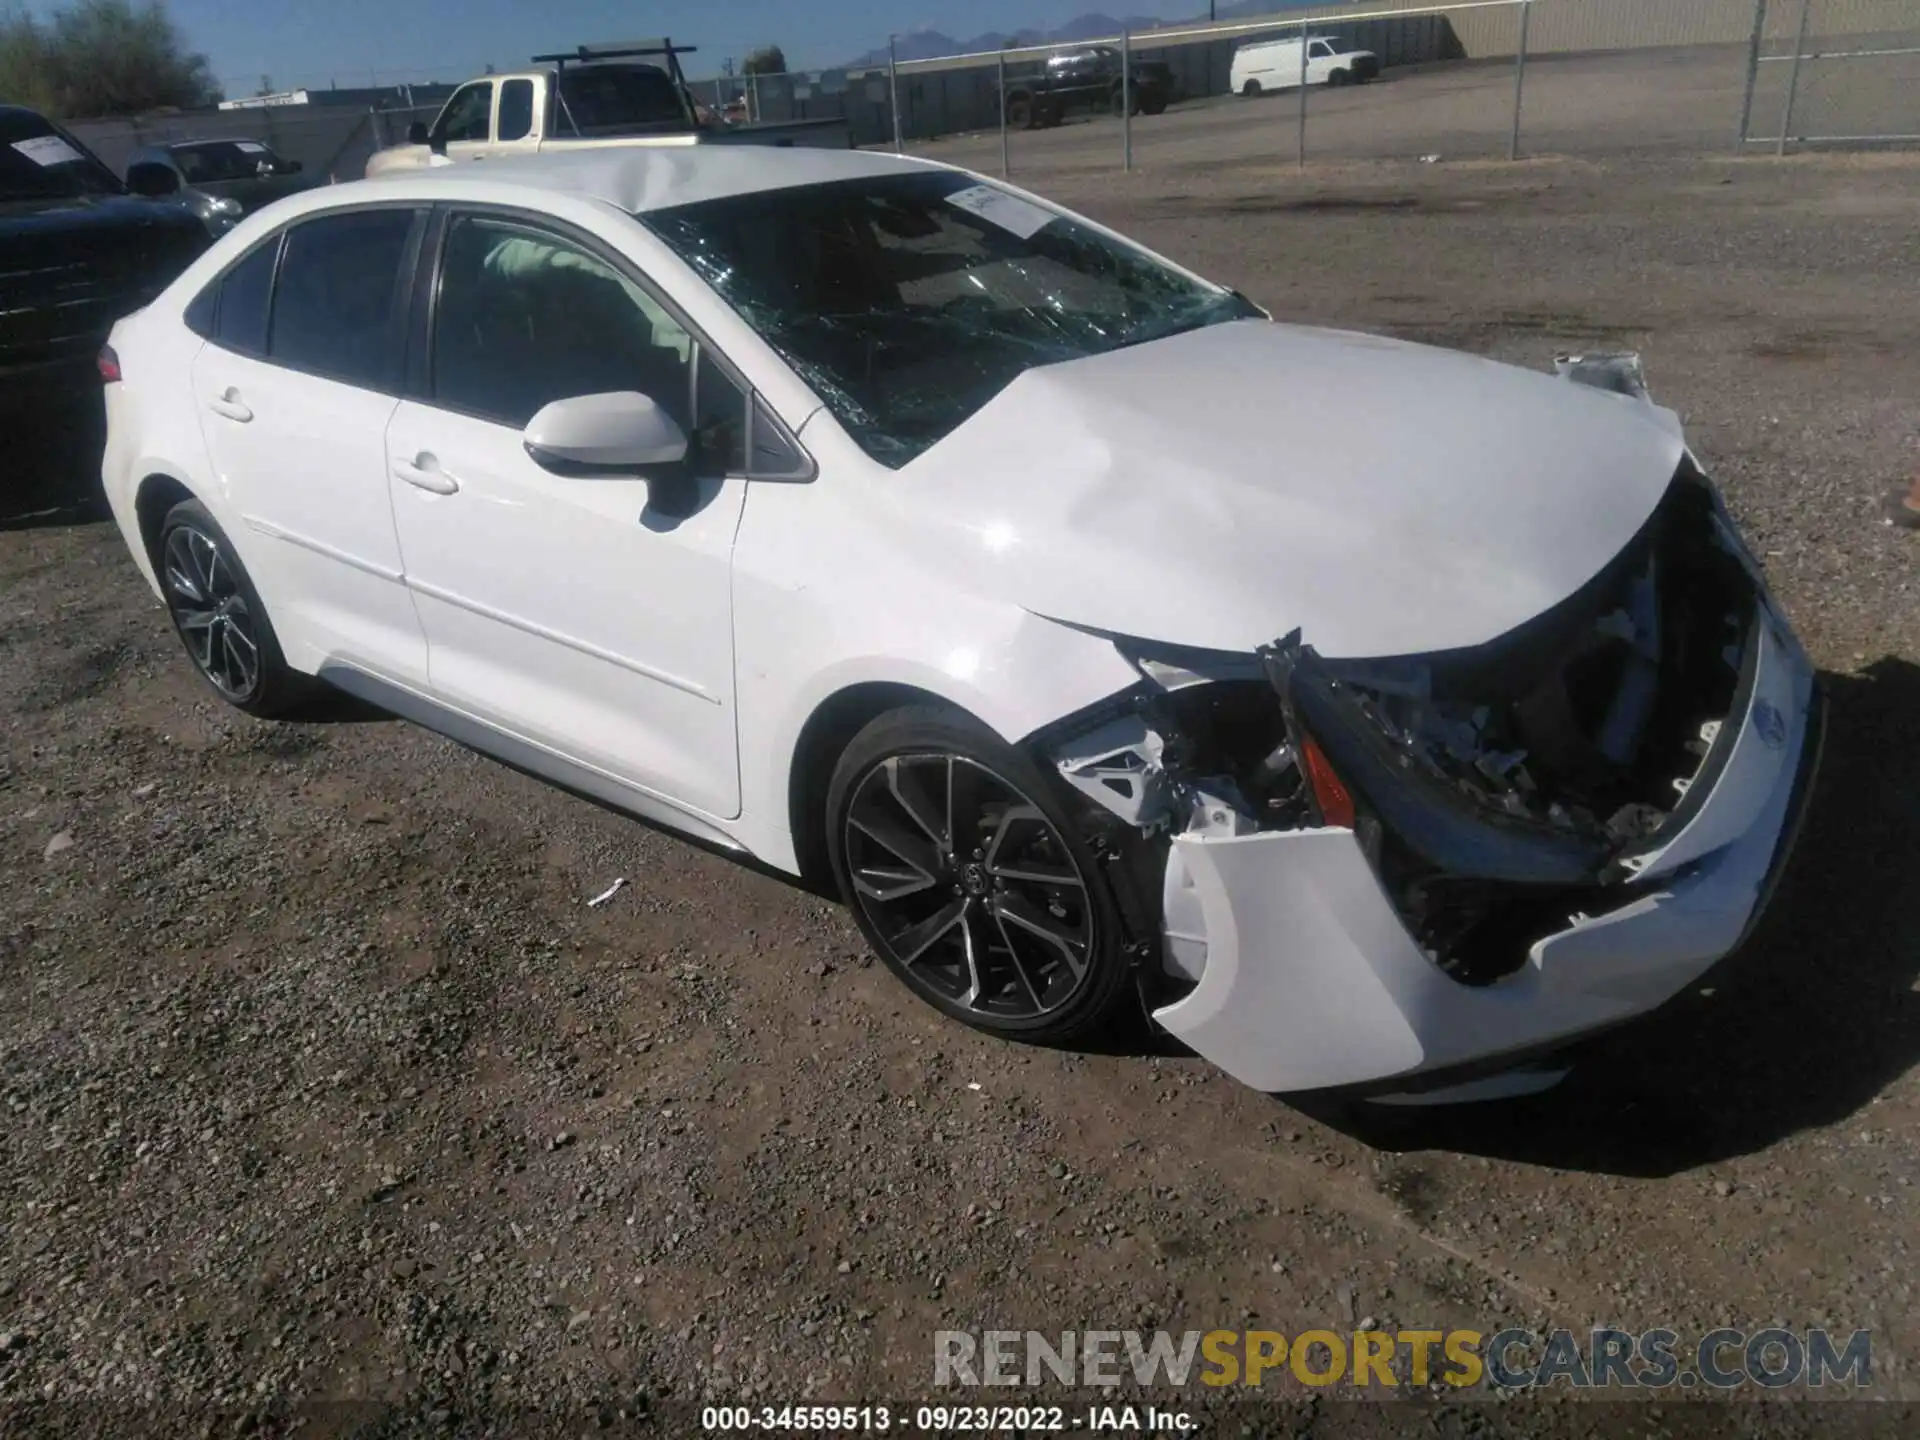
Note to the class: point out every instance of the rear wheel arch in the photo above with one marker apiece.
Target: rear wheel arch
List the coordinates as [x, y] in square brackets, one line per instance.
[157, 494]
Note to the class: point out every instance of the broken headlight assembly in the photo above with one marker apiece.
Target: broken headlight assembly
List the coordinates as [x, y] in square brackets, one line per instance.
[1501, 793]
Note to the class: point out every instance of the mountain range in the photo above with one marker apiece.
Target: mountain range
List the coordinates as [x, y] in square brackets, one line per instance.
[934, 45]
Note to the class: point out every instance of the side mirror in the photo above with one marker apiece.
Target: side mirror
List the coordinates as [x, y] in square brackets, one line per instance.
[417, 133]
[616, 434]
[619, 431]
[153, 182]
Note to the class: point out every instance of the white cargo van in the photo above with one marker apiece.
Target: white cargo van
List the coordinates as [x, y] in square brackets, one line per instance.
[1262, 65]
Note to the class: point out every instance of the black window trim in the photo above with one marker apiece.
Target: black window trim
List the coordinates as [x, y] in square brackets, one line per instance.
[429, 274]
[406, 278]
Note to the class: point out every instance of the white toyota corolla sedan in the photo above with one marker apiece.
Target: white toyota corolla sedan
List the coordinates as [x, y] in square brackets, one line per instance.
[886, 523]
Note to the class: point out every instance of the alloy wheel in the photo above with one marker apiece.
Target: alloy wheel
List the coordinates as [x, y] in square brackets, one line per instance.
[203, 595]
[972, 890]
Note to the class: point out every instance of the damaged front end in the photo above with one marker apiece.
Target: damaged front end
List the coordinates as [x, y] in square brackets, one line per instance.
[1499, 799]
[1511, 787]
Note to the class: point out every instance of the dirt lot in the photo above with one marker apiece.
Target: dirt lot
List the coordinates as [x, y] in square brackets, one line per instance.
[1648, 102]
[320, 1079]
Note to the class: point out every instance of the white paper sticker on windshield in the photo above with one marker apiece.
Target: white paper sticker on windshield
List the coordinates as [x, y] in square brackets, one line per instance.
[1017, 217]
[252, 147]
[48, 151]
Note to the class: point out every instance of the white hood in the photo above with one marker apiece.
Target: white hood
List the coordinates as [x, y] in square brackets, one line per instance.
[1219, 488]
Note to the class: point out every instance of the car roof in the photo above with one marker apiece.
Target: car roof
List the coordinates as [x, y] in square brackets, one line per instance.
[638, 178]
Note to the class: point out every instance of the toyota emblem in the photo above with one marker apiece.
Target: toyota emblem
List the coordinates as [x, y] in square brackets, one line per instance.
[1770, 723]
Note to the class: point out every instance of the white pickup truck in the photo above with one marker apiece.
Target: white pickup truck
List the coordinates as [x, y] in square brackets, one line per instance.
[632, 93]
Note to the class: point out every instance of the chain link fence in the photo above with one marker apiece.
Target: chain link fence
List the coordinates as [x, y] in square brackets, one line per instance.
[1833, 72]
[330, 142]
[1464, 80]
[1475, 79]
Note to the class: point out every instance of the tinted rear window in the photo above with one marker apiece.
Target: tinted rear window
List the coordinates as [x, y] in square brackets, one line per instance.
[619, 99]
[336, 307]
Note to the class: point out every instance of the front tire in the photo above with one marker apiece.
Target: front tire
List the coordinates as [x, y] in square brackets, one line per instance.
[1251, 90]
[972, 882]
[219, 617]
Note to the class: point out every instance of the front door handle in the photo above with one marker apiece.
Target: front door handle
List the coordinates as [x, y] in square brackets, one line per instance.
[227, 403]
[423, 472]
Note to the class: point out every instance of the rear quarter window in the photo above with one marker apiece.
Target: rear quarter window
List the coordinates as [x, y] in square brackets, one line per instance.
[232, 311]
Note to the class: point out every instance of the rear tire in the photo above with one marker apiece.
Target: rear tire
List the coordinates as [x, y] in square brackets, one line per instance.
[971, 880]
[1020, 115]
[220, 619]
[1155, 106]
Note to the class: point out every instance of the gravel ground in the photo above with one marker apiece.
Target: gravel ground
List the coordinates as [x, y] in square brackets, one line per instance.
[321, 1080]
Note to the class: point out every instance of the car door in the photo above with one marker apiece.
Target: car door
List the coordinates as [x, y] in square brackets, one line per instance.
[571, 610]
[296, 385]
[1320, 62]
[464, 128]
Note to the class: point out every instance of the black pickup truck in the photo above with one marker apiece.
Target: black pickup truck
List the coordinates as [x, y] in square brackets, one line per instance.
[76, 253]
[1084, 79]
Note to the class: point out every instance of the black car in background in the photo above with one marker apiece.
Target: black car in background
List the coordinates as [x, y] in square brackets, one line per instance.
[220, 180]
[1086, 78]
[76, 253]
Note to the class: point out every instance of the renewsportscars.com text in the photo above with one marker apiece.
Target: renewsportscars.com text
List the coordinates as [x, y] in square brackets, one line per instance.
[1724, 1359]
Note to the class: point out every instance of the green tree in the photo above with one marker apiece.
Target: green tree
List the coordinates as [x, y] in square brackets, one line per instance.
[101, 57]
[24, 64]
[767, 60]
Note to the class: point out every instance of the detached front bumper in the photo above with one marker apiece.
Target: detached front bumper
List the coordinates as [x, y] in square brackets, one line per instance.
[1312, 980]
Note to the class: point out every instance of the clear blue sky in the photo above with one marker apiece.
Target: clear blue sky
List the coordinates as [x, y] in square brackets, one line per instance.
[355, 42]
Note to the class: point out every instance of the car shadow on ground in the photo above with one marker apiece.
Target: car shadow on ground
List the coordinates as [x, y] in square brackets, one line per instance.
[1808, 1024]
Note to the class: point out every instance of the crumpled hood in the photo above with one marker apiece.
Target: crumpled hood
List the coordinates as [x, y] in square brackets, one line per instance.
[1217, 489]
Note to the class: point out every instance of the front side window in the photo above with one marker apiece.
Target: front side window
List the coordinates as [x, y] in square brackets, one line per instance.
[908, 302]
[525, 318]
[1322, 50]
[218, 160]
[516, 110]
[468, 116]
[336, 308]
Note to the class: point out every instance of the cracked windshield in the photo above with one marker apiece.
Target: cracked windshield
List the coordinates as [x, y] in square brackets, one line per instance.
[910, 302]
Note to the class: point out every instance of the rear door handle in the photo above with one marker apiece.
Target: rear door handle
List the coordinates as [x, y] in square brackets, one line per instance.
[423, 472]
[228, 404]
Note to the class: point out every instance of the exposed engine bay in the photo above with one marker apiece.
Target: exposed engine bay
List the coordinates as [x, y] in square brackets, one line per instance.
[1499, 792]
